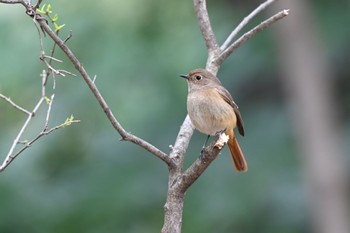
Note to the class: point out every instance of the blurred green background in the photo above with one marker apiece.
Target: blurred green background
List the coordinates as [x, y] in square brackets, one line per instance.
[83, 179]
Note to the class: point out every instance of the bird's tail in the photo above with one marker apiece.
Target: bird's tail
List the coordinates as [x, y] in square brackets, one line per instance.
[238, 158]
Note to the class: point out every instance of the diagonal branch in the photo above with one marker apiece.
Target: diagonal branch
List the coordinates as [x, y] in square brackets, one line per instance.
[208, 155]
[246, 36]
[244, 22]
[11, 155]
[13, 104]
[117, 126]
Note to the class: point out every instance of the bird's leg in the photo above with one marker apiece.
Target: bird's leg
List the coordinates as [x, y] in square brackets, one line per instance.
[205, 143]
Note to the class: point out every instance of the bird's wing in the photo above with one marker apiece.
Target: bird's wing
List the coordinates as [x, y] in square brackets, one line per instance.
[228, 98]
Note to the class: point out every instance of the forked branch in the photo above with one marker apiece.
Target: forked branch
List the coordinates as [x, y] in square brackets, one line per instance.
[244, 22]
[12, 153]
[218, 54]
[246, 36]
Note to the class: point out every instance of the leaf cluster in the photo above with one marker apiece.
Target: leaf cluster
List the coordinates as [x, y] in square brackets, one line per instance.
[46, 9]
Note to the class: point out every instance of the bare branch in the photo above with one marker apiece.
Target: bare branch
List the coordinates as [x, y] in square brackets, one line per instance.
[246, 36]
[52, 58]
[27, 144]
[244, 22]
[11, 154]
[117, 126]
[50, 101]
[14, 105]
[13, 2]
[199, 166]
[201, 12]
[37, 4]
[9, 158]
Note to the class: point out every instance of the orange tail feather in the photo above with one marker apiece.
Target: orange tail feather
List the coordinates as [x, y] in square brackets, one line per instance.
[238, 158]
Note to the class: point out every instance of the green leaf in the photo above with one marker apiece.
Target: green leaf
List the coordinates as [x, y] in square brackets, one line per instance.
[57, 28]
[47, 100]
[48, 8]
[68, 121]
[55, 18]
[42, 10]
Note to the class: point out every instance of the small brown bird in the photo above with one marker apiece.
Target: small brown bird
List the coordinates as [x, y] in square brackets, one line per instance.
[212, 111]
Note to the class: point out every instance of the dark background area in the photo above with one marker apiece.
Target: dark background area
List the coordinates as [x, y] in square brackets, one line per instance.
[83, 179]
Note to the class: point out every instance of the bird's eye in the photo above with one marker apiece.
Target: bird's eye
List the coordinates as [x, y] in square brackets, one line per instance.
[198, 77]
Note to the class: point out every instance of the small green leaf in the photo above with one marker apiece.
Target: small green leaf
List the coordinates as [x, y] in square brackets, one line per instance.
[68, 121]
[48, 8]
[57, 28]
[42, 10]
[39, 11]
[55, 18]
[47, 100]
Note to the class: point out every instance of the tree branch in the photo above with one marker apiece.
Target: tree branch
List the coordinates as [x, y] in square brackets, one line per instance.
[14, 105]
[11, 155]
[13, 2]
[117, 126]
[201, 12]
[199, 166]
[244, 22]
[246, 36]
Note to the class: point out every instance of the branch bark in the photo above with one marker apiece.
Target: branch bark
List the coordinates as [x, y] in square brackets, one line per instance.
[200, 8]
[13, 2]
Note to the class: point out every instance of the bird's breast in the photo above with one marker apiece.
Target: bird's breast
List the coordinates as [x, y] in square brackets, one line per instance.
[209, 112]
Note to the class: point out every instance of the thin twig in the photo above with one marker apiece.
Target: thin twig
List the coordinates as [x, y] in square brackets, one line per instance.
[52, 58]
[68, 37]
[244, 22]
[27, 144]
[246, 36]
[94, 79]
[14, 105]
[48, 112]
[11, 155]
[17, 141]
[9, 158]
[37, 4]
[42, 53]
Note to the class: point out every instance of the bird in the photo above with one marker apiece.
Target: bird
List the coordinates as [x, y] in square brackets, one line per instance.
[212, 111]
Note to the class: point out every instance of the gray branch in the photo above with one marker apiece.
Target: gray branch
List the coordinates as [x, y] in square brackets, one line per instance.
[103, 104]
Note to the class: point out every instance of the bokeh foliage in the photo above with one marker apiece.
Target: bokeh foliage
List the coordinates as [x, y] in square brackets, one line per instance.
[83, 179]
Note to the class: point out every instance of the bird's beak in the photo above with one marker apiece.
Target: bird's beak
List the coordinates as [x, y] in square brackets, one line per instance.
[184, 76]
